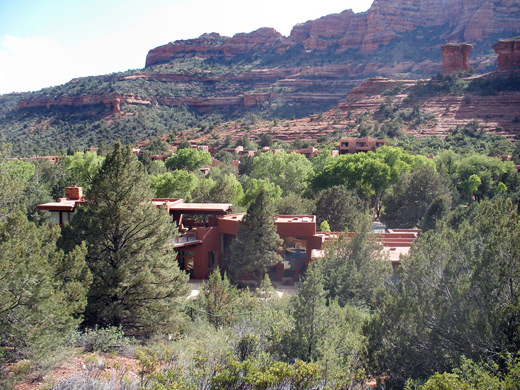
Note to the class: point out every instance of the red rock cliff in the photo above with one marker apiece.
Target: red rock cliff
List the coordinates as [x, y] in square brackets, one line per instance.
[215, 45]
[455, 57]
[463, 20]
[109, 100]
[508, 51]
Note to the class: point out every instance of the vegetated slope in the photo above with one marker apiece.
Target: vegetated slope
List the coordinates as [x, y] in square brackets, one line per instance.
[202, 82]
[386, 108]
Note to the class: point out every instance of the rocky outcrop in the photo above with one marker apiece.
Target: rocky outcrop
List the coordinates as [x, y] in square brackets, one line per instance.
[110, 100]
[201, 104]
[376, 85]
[215, 45]
[385, 21]
[508, 51]
[455, 57]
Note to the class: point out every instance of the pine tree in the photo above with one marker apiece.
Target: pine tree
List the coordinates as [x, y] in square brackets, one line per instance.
[218, 299]
[42, 290]
[457, 294]
[136, 275]
[310, 314]
[353, 268]
[258, 243]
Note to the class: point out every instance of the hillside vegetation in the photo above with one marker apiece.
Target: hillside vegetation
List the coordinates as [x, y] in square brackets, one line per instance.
[212, 81]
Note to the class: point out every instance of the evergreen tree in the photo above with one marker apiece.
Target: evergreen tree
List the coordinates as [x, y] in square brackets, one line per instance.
[340, 207]
[412, 197]
[258, 243]
[136, 276]
[42, 290]
[457, 294]
[218, 299]
[353, 268]
[310, 314]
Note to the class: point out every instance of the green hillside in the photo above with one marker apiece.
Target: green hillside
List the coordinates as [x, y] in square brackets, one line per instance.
[297, 83]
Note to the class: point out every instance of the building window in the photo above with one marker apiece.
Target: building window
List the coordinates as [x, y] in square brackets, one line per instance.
[212, 259]
[360, 144]
[295, 253]
[185, 259]
[225, 253]
[344, 144]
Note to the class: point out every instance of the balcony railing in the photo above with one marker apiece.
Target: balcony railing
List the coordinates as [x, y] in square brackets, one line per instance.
[187, 237]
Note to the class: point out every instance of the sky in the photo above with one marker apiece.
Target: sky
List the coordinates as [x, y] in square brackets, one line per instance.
[49, 42]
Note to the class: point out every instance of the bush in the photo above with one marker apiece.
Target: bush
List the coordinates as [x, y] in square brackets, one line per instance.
[102, 340]
[93, 382]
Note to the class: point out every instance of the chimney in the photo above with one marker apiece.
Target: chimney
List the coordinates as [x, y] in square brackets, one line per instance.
[74, 193]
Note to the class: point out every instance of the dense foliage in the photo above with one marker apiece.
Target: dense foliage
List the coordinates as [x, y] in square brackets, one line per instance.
[136, 276]
[257, 243]
[448, 316]
[455, 295]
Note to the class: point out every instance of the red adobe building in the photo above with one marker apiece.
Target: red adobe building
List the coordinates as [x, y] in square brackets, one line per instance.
[62, 210]
[206, 231]
[356, 145]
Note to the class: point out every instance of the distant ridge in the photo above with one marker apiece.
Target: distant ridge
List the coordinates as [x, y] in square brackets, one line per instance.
[196, 88]
[385, 21]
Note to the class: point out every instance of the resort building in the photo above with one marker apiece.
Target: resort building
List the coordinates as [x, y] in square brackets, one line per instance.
[356, 145]
[206, 231]
[62, 210]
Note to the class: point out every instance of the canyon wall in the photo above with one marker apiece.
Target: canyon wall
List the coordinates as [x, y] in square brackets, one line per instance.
[385, 21]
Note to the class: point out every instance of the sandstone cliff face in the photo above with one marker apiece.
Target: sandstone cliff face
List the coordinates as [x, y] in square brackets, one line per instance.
[508, 51]
[110, 100]
[347, 34]
[464, 20]
[214, 45]
[455, 57]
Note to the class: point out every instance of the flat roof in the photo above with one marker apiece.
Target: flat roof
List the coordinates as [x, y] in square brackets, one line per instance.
[233, 217]
[279, 218]
[178, 205]
[63, 204]
[213, 207]
[394, 253]
[295, 219]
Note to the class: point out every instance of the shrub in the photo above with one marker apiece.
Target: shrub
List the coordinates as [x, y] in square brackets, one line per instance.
[102, 340]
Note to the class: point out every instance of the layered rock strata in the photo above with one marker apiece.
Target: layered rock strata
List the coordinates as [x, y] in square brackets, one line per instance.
[455, 57]
[109, 100]
[385, 21]
[508, 51]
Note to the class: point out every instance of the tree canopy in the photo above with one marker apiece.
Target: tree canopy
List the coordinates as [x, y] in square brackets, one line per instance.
[412, 196]
[369, 174]
[175, 184]
[457, 294]
[340, 207]
[136, 275]
[290, 171]
[42, 290]
[257, 243]
[188, 159]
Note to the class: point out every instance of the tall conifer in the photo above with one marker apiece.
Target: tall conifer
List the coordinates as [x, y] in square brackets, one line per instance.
[136, 276]
[258, 243]
[310, 314]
